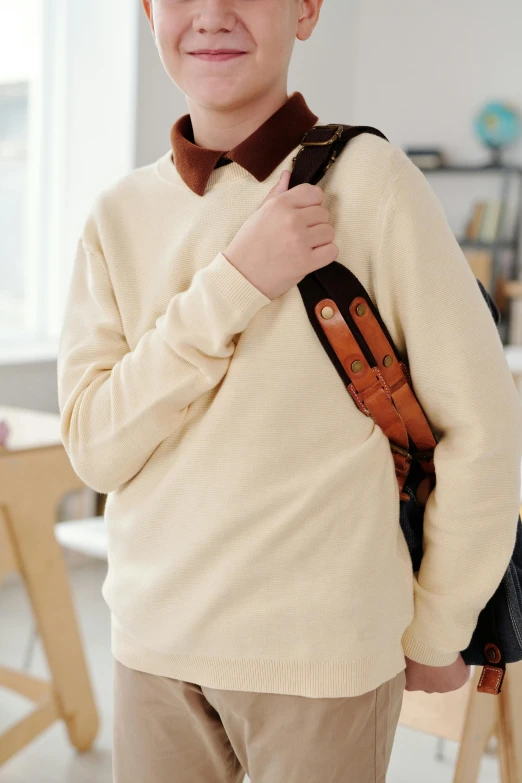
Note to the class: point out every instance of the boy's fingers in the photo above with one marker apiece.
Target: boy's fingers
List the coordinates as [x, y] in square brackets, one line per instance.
[280, 186]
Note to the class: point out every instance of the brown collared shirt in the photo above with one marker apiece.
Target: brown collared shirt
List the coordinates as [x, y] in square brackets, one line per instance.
[259, 154]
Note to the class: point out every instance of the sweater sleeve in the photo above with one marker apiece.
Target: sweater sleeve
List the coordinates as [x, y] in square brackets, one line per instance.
[461, 378]
[117, 405]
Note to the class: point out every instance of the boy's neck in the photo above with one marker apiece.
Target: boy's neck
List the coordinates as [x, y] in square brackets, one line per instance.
[224, 129]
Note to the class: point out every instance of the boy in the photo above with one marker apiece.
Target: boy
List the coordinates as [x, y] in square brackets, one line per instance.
[260, 586]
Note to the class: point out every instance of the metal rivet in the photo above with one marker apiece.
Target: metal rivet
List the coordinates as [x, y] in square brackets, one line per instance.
[492, 653]
[361, 309]
[388, 361]
[327, 313]
[357, 366]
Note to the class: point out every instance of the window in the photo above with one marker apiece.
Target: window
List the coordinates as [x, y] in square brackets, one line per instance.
[20, 127]
[68, 91]
[14, 111]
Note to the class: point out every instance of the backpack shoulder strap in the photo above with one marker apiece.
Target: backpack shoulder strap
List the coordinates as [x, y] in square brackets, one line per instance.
[351, 330]
[360, 347]
[320, 146]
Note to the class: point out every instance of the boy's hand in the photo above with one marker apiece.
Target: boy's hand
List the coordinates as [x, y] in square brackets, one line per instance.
[436, 679]
[288, 236]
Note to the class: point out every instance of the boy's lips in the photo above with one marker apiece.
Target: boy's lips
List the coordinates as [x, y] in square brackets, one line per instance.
[217, 56]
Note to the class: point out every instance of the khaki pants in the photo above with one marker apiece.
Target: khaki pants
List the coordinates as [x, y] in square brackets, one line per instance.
[170, 731]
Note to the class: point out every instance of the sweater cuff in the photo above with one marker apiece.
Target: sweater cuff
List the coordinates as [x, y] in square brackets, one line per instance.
[234, 286]
[422, 653]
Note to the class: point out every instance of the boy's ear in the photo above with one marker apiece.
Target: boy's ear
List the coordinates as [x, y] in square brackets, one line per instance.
[309, 11]
[147, 5]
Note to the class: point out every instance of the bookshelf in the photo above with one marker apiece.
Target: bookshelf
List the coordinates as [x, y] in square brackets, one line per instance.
[513, 244]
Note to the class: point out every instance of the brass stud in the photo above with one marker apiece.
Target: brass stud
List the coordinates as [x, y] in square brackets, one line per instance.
[357, 366]
[492, 653]
[361, 309]
[388, 361]
[327, 313]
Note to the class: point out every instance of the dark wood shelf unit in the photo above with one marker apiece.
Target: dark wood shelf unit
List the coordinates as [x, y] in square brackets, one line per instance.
[512, 244]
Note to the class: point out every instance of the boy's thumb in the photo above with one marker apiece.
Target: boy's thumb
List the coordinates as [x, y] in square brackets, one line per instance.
[280, 186]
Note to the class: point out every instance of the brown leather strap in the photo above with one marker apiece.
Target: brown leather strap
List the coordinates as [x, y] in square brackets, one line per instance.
[368, 387]
[491, 680]
[397, 377]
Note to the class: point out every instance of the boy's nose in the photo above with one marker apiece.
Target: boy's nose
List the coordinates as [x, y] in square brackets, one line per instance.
[212, 16]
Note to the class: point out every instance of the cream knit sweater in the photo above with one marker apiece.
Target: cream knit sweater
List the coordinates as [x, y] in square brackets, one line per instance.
[253, 510]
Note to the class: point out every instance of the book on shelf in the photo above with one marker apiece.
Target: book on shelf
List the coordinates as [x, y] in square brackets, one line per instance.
[490, 222]
[474, 225]
[484, 223]
[426, 157]
[515, 322]
[481, 263]
[513, 289]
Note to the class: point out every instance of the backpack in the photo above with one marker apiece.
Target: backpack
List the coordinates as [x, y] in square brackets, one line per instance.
[362, 351]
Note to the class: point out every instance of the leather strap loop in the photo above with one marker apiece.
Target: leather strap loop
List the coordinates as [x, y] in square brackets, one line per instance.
[394, 373]
[491, 680]
[368, 388]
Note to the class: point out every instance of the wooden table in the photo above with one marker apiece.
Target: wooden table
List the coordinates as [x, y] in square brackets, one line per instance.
[35, 473]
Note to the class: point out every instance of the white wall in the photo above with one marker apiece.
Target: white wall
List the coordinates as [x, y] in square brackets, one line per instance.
[159, 102]
[30, 384]
[321, 69]
[424, 68]
[423, 71]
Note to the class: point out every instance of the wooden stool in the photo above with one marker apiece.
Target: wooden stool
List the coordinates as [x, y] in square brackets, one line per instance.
[35, 474]
[471, 719]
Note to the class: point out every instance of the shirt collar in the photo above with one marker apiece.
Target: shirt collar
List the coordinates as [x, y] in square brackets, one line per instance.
[259, 154]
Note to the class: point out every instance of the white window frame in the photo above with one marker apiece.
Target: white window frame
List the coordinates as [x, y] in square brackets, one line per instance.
[47, 149]
[45, 176]
[82, 134]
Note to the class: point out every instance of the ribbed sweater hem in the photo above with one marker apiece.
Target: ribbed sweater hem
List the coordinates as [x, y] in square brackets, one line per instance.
[314, 679]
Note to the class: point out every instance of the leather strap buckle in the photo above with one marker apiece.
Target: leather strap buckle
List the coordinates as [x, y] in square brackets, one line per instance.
[336, 135]
[401, 451]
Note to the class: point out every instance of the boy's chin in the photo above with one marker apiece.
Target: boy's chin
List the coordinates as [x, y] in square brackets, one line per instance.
[215, 98]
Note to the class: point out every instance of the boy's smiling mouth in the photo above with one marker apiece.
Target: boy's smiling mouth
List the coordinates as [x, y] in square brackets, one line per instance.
[217, 55]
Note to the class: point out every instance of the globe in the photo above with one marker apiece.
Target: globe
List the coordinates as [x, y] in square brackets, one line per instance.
[498, 125]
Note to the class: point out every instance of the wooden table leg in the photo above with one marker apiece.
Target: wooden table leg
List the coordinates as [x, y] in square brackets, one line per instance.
[7, 559]
[35, 482]
[479, 725]
[510, 725]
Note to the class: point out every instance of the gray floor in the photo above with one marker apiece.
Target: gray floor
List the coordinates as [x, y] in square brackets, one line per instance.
[51, 760]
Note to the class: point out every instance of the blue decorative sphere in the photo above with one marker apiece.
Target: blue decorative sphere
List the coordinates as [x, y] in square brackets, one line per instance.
[498, 125]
